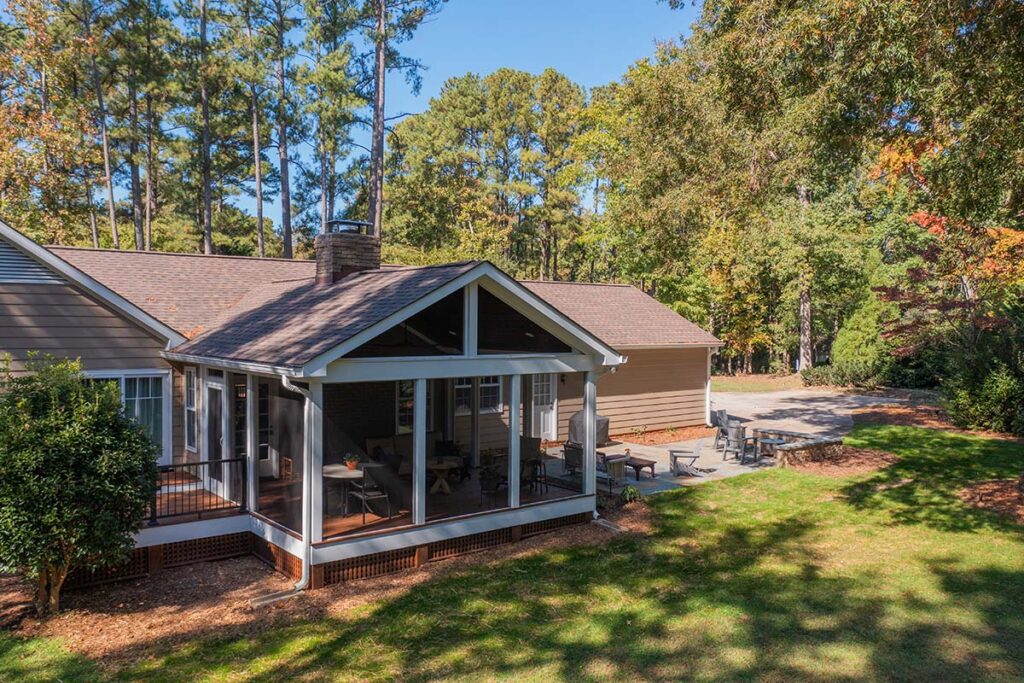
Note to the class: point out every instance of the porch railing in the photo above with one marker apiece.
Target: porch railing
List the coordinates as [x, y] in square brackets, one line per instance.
[199, 488]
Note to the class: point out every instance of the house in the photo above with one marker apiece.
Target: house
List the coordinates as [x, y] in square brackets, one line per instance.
[341, 418]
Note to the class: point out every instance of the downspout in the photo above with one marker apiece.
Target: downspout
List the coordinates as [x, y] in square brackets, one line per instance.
[307, 488]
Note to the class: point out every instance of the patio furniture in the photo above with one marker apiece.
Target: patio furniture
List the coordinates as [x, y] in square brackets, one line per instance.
[720, 419]
[685, 461]
[611, 468]
[738, 443]
[340, 472]
[572, 456]
[369, 490]
[534, 473]
[491, 481]
[447, 448]
[639, 464]
[440, 468]
[771, 443]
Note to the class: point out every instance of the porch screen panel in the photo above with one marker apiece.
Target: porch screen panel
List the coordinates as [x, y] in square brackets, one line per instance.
[502, 329]
[434, 331]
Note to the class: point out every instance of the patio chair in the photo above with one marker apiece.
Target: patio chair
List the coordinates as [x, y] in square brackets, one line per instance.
[491, 482]
[720, 419]
[683, 461]
[738, 443]
[572, 454]
[369, 490]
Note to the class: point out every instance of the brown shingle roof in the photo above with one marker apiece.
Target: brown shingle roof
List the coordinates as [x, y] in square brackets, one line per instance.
[291, 323]
[187, 292]
[621, 315]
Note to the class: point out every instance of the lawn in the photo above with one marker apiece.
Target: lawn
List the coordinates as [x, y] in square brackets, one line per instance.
[755, 383]
[778, 575]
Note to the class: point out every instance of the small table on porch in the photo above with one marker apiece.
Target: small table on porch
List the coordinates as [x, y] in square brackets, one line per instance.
[441, 468]
[639, 464]
[345, 475]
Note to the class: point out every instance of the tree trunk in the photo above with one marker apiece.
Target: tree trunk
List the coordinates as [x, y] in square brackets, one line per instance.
[205, 151]
[257, 151]
[150, 189]
[545, 251]
[57, 576]
[133, 165]
[282, 135]
[323, 179]
[376, 190]
[104, 140]
[42, 599]
[806, 340]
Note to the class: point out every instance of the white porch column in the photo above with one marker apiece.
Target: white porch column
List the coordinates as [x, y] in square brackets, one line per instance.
[419, 450]
[315, 432]
[590, 433]
[515, 391]
[252, 462]
[475, 419]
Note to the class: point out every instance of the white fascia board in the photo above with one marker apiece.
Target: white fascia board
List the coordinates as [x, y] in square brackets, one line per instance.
[187, 531]
[434, 367]
[233, 365]
[107, 295]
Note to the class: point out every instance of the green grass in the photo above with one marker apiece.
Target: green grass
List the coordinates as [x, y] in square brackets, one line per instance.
[755, 383]
[776, 576]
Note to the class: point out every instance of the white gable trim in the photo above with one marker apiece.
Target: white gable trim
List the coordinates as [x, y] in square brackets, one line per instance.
[76, 276]
[499, 284]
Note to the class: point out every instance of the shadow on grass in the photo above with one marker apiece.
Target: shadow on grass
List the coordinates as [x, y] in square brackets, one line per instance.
[41, 660]
[935, 465]
[729, 598]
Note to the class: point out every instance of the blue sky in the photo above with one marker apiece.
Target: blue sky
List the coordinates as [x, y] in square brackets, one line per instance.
[593, 42]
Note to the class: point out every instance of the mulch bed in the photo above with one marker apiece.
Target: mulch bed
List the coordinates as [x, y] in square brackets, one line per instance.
[910, 416]
[998, 495]
[121, 623]
[663, 436]
[849, 461]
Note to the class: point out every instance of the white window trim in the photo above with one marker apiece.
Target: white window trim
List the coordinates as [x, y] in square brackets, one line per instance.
[194, 372]
[500, 408]
[430, 406]
[121, 375]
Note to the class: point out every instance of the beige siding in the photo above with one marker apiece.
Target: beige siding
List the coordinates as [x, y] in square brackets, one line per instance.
[493, 426]
[57, 319]
[655, 389]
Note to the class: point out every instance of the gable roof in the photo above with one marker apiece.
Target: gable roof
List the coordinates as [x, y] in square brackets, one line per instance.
[288, 324]
[188, 292]
[622, 315]
[86, 282]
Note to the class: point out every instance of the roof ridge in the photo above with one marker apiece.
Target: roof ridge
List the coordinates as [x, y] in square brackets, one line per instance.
[237, 257]
[576, 282]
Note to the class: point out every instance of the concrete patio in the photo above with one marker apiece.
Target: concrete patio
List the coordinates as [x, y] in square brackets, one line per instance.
[822, 413]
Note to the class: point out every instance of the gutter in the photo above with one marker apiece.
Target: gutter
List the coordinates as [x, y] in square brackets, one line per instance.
[307, 491]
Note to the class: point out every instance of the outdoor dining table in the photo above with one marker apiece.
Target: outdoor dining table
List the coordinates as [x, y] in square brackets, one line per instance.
[441, 469]
[340, 472]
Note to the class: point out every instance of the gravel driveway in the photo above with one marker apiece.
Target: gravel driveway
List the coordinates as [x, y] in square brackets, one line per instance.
[827, 413]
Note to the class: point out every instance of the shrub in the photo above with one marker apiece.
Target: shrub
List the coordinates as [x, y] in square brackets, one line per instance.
[76, 476]
[995, 403]
[848, 374]
[630, 494]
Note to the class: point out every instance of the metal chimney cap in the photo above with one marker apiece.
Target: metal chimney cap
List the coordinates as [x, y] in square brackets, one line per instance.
[345, 225]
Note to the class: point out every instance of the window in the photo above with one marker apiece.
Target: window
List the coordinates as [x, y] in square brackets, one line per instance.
[145, 398]
[144, 401]
[406, 391]
[191, 415]
[490, 395]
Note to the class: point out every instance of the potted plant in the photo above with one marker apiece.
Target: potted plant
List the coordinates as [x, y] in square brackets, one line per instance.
[351, 461]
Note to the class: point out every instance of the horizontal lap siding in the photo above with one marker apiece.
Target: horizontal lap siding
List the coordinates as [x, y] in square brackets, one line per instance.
[655, 389]
[57, 319]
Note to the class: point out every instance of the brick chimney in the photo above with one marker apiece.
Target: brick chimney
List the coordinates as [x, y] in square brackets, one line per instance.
[347, 251]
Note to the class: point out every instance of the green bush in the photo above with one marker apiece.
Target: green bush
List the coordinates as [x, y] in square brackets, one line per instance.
[630, 494]
[850, 374]
[995, 403]
[76, 476]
